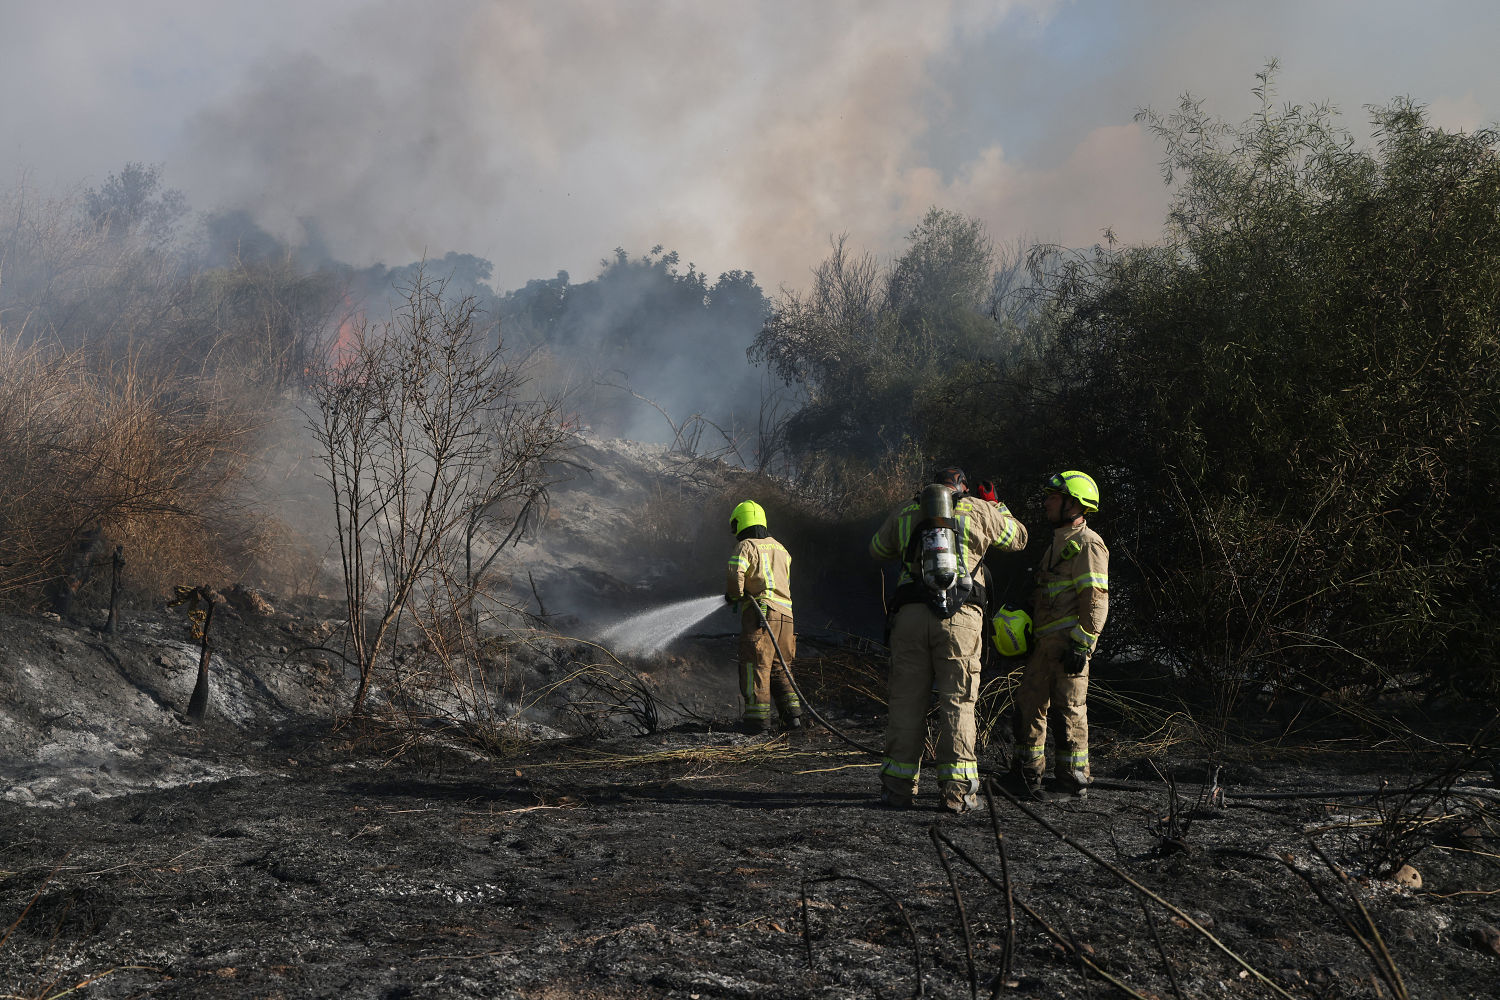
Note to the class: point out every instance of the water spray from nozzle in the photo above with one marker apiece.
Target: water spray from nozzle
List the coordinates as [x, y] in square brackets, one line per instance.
[652, 631]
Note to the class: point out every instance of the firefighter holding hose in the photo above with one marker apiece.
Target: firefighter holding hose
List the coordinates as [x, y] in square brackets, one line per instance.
[937, 632]
[758, 585]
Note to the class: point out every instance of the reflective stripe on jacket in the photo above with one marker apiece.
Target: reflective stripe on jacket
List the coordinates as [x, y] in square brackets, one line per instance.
[1072, 586]
[761, 568]
[982, 525]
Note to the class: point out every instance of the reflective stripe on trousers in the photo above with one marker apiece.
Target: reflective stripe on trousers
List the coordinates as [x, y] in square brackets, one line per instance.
[962, 772]
[1046, 691]
[762, 677]
[933, 656]
[900, 770]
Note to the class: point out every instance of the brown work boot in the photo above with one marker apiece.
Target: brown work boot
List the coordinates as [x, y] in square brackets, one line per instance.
[1075, 783]
[1023, 786]
[958, 803]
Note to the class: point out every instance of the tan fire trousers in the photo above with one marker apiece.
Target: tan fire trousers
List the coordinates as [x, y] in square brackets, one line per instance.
[932, 655]
[1048, 690]
[762, 676]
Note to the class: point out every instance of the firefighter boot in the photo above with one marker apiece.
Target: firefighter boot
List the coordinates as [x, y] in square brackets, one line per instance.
[956, 802]
[1022, 785]
[1075, 782]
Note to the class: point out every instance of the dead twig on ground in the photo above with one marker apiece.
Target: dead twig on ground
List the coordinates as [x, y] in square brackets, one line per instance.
[34, 897]
[82, 984]
[1123, 876]
[752, 752]
[1160, 949]
[45, 993]
[938, 838]
[1379, 953]
[610, 694]
[1354, 932]
[1171, 829]
[1063, 941]
[1008, 955]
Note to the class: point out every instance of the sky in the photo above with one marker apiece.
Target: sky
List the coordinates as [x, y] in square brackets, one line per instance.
[542, 135]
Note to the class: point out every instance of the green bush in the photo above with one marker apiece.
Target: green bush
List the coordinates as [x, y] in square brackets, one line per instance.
[1294, 403]
[881, 352]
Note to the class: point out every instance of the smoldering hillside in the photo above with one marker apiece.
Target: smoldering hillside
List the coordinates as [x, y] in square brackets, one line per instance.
[166, 433]
[118, 300]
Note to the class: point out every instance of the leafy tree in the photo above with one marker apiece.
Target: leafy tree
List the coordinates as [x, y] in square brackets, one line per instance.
[133, 201]
[1293, 403]
[463, 274]
[945, 273]
[97, 270]
[882, 354]
[234, 237]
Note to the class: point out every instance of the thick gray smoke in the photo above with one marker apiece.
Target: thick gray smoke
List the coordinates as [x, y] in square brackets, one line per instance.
[539, 134]
[532, 133]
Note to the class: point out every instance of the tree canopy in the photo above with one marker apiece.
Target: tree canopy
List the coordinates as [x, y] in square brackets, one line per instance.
[646, 327]
[878, 351]
[1293, 402]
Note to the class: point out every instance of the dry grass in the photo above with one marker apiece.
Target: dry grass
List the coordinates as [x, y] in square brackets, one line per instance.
[752, 752]
[853, 680]
[149, 460]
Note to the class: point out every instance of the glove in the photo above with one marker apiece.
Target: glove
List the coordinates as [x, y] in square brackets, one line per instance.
[1075, 659]
[733, 603]
[985, 490]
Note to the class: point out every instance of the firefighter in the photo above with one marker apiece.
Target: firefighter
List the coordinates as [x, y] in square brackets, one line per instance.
[1069, 606]
[937, 633]
[760, 574]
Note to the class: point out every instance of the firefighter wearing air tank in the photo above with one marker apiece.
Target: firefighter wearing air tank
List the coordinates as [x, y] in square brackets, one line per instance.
[1069, 606]
[937, 632]
[759, 576]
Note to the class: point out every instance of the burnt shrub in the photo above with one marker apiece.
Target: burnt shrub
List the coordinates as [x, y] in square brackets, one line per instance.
[91, 458]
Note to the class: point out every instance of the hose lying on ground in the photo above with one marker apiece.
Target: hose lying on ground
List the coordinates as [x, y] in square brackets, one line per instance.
[792, 680]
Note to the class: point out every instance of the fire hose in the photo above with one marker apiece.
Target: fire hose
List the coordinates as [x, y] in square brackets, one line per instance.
[792, 680]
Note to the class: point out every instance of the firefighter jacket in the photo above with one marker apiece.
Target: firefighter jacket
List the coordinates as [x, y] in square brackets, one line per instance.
[760, 568]
[1072, 587]
[982, 525]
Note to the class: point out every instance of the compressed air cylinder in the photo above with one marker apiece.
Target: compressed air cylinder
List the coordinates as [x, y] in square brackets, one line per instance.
[939, 558]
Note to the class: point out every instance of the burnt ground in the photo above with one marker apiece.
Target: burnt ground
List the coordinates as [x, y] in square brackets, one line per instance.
[269, 853]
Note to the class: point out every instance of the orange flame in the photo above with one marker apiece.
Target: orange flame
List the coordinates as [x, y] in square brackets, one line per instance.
[347, 341]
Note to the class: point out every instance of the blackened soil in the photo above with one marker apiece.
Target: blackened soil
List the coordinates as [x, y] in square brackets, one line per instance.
[674, 865]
